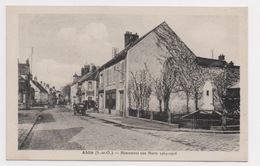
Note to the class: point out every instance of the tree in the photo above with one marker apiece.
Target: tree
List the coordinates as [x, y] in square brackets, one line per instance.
[222, 81]
[140, 90]
[165, 84]
[191, 79]
[181, 57]
[65, 90]
[169, 78]
[157, 85]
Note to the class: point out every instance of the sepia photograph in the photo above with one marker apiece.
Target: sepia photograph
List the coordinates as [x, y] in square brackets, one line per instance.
[127, 83]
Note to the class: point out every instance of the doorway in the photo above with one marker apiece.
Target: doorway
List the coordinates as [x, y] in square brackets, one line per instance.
[121, 103]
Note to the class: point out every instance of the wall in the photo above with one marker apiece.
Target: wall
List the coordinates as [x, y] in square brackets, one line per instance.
[73, 96]
[147, 51]
[117, 84]
[43, 98]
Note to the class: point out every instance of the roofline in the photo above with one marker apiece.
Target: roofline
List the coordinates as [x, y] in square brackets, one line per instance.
[128, 48]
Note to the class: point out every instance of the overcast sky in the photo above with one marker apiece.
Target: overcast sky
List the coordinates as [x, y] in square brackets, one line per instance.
[64, 43]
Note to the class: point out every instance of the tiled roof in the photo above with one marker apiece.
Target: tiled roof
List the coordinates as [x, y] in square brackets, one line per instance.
[210, 62]
[39, 86]
[235, 86]
[89, 76]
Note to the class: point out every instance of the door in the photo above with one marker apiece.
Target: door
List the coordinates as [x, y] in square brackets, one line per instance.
[121, 102]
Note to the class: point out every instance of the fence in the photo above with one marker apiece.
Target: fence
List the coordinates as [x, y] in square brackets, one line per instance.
[198, 123]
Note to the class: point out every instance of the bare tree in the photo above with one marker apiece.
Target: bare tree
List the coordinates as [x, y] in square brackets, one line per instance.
[222, 81]
[157, 84]
[169, 78]
[66, 91]
[191, 79]
[141, 90]
[182, 60]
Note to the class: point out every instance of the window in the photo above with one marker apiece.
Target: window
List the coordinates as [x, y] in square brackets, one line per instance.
[122, 71]
[107, 75]
[111, 99]
[89, 85]
[207, 92]
[111, 75]
[114, 73]
[101, 78]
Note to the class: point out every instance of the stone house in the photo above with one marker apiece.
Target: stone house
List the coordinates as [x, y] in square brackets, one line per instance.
[144, 58]
[84, 87]
[39, 95]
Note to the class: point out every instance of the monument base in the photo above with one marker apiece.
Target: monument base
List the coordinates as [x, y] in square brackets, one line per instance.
[207, 107]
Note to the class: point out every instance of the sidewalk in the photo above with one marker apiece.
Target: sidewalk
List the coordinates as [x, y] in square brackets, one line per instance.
[141, 123]
[147, 124]
[132, 122]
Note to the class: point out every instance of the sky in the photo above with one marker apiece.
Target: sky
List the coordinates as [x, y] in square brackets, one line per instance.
[63, 43]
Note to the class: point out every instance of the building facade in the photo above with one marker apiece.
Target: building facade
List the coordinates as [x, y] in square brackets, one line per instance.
[24, 85]
[84, 87]
[39, 95]
[143, 60]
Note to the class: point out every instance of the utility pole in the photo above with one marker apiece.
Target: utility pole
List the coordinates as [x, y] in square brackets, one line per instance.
[31, 55]
[212, 53]
[29, 78]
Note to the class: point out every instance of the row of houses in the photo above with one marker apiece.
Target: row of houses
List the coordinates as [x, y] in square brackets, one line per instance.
[31, 92]
[113, 88]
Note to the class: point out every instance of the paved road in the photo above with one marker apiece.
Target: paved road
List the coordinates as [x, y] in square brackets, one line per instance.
[62, 130]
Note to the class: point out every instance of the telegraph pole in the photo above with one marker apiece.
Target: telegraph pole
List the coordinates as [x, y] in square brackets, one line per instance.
[29, 78]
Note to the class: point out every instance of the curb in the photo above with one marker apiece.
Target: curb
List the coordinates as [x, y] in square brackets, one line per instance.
[153, 121]
[172, 130]
[124, 125]
[38, 118]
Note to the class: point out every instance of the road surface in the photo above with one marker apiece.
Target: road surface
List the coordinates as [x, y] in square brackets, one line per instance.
[61, 130]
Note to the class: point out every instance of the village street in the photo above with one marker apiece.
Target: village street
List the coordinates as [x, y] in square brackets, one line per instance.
[60, 129]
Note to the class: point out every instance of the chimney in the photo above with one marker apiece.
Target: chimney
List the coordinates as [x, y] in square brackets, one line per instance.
[75, 77]
[231, 64]
[221, 57]
[35, 78]
[41, 82]
[47, 85]
[82, 71]
[93, 68]
[87, 69]
[130, 38]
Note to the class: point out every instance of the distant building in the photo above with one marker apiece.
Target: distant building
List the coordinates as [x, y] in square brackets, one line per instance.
[84, 87]
[39, 95]
[24, 85]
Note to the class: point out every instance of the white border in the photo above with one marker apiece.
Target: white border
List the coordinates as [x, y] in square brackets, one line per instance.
[253, 59]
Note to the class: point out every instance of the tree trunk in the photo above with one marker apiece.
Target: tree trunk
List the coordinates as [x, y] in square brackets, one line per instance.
[169, 117]
[160, 105]
[167, 110]
[166, 105]
[196, 101]
[187, 102]
[224, 119]
[138, 113]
